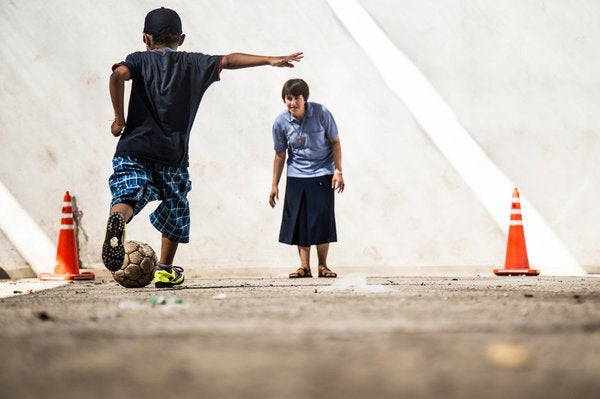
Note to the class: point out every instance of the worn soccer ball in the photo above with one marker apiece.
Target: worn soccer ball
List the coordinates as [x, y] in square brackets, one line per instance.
[138, 266]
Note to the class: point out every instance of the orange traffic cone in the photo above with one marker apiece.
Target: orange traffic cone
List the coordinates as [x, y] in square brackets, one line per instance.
[516, 262]
[67, 261]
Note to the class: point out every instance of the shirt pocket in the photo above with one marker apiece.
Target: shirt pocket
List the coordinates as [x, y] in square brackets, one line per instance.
[316, 137]
[298, 141]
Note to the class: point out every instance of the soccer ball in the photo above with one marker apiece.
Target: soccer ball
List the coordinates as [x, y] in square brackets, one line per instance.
[138, 266]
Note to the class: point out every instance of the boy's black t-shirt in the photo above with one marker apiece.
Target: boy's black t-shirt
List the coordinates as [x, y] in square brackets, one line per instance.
[165, 95]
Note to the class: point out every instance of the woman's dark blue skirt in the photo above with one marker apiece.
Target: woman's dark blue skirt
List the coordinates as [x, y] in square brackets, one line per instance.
[308, 212]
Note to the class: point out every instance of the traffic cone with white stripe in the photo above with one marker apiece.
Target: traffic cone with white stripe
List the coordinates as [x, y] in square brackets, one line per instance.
[67, 259]
[517, 262]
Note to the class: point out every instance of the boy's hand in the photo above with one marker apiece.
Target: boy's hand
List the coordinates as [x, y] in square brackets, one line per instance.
[117, 128]
[286, 61]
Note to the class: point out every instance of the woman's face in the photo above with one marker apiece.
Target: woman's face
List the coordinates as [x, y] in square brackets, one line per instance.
[296, 105]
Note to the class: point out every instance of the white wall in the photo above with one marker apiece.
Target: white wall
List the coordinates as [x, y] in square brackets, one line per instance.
[520, 76]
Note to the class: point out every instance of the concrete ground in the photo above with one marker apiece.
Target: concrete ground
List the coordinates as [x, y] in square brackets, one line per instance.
[354, 337]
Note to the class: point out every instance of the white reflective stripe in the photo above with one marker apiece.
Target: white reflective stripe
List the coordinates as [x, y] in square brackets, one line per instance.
[515, 212]
[67, 215]
[67, 227]
[439, 122]
[67, 203]
[25, 234]
[516, 200]
[516, 223]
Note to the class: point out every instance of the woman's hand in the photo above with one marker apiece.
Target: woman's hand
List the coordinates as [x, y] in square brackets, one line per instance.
[274, 196]
[337, 182]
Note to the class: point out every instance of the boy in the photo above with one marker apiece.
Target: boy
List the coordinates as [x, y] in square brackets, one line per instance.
[151, 159]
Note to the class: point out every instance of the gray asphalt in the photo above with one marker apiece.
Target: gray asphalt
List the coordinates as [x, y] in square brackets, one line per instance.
[394, 337]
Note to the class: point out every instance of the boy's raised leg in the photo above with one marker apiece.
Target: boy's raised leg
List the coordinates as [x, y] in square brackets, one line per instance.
[113, 251]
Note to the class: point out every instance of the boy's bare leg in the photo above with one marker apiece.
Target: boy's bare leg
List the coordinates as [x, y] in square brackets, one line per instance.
[113, 250]
[167, 275]
[124, 209]
[168, 248]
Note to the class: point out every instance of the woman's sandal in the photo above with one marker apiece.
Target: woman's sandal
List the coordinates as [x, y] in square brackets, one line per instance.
[325, 272]
[301, 273]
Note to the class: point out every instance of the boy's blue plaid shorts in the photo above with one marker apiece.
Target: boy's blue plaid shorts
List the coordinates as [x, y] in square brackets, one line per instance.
[137, 182]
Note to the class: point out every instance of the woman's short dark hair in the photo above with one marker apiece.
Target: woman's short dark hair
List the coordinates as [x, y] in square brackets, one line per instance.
[295, 87]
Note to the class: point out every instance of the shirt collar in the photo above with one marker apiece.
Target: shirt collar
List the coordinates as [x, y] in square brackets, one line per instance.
[307, 113]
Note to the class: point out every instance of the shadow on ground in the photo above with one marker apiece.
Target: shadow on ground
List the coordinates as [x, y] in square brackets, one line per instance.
[467, 337]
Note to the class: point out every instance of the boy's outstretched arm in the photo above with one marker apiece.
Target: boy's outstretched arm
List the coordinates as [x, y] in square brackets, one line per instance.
[117, 91]
[240, 60]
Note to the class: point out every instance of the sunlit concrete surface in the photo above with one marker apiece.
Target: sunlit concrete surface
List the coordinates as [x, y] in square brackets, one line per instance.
[354, 337]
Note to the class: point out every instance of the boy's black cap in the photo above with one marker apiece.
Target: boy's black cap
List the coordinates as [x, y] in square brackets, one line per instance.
[162, 19]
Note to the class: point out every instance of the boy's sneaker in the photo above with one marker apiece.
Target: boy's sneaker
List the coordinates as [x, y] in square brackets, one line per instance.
[168, 278]
[113, 251]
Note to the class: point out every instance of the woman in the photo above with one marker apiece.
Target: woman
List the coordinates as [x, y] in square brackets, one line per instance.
[307, 131]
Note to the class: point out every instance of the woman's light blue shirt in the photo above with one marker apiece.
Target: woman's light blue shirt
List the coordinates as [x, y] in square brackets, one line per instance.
[308, 144]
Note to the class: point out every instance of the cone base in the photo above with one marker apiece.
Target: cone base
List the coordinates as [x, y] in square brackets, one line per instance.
[516, 272]
[67, 276]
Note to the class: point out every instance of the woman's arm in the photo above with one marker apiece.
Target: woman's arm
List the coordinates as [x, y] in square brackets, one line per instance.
[337, 183]
[278, 163]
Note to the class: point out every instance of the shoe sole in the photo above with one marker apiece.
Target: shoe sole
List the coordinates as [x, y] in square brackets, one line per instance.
[160, 284]
[113, 250]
